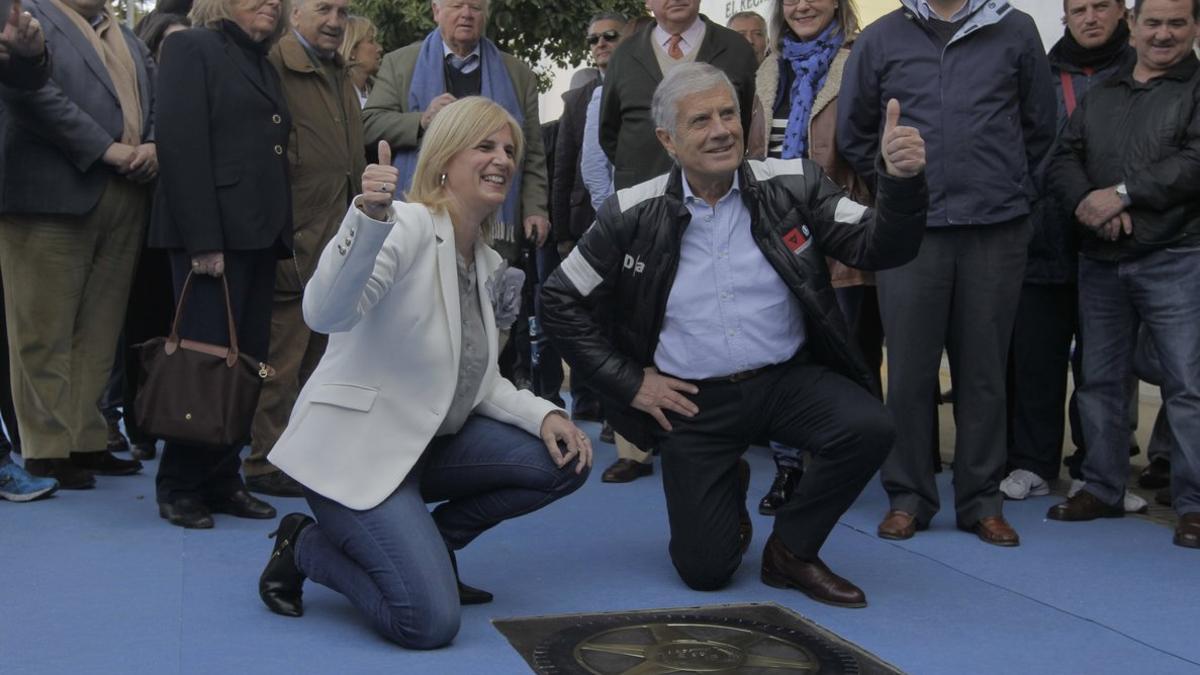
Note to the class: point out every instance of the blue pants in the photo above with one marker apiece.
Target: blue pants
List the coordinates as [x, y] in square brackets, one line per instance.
[391, 561]
[1159, 291]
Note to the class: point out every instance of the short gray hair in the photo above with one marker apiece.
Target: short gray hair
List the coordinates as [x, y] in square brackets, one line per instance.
[608, 16]
[683, 81]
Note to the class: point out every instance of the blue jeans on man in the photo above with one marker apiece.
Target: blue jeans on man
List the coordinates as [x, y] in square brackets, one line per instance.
[1158, 292]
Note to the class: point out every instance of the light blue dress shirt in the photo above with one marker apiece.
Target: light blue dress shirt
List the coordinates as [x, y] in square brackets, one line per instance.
[594, 167]
[728, 310]
[927, 12]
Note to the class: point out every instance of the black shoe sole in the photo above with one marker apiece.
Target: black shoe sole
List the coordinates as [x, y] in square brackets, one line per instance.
[185, 525]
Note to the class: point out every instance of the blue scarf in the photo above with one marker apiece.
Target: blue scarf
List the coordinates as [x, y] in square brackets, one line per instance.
[429, 82]
[809, 62]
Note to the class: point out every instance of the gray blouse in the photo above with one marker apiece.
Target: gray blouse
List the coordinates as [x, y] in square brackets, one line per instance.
[472, 362]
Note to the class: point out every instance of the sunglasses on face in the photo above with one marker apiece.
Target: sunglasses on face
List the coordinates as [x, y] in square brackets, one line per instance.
[609, 36]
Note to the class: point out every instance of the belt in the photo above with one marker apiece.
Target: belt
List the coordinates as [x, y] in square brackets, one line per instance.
[737, 377]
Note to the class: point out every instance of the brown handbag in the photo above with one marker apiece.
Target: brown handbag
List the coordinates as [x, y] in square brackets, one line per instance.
[198, 393]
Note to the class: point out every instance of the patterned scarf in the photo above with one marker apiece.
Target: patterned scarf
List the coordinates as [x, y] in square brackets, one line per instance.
[810, 64]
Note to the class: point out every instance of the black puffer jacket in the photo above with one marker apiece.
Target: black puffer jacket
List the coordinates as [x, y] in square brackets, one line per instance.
[628, 259]
[1147, 136]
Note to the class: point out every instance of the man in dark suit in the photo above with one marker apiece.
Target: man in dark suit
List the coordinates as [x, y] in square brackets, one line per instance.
[571, 211]
[681, 35]
[71, 225]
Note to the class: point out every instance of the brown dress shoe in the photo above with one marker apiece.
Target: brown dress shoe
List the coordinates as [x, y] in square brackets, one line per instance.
[104, 463]
[1084, 506]
[1187, 532]
[626, 470]
[995, 530]
[897, 525]
[68, 475]
[782, 569]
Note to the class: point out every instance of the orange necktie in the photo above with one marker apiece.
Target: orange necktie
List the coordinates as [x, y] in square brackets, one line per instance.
[673, 49]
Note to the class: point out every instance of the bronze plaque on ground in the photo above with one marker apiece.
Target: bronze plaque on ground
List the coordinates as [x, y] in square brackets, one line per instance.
[748, 639]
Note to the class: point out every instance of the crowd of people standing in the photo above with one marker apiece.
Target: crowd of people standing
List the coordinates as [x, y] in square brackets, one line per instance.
[719, 236]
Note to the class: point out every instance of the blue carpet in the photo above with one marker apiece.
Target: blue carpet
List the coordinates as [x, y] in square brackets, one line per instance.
[97, 583]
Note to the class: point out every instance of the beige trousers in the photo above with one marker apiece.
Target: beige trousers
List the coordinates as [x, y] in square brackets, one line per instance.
[66, 285]
[295, 352]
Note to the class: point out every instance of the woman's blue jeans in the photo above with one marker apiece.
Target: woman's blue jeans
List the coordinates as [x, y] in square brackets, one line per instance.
[391, 561]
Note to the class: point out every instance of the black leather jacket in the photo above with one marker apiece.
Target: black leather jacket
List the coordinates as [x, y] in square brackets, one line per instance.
[1147, 136]
[627, 262]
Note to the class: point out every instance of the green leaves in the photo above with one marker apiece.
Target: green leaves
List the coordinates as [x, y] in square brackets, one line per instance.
[543, 34]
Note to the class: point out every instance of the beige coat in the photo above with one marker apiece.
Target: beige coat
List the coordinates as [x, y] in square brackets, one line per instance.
[326, 154]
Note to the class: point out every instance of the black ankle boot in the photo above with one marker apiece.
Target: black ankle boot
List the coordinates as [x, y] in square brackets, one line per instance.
[281, 584]
[786, 478]
[468, 595]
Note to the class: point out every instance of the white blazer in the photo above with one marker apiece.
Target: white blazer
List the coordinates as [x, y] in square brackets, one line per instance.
[387, 293]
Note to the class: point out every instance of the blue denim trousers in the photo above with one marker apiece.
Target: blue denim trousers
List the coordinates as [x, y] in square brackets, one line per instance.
[392, 561]
[1158, 292]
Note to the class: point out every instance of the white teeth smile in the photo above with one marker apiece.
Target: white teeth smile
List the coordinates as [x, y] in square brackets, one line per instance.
[498, 180]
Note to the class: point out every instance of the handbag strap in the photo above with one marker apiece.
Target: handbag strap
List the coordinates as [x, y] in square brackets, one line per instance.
[173, 338]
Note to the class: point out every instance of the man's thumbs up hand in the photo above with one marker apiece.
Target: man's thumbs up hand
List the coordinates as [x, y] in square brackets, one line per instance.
[902, 147]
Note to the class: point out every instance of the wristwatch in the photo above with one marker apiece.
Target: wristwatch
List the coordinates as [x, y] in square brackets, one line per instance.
[1123, 193]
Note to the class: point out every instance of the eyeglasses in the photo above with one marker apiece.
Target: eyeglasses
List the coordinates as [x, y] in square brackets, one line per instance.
[609, 36]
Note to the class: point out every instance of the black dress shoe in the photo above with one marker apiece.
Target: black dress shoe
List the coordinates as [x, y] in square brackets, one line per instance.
[607, 435]
[68, 475]
[626, 470]
[1156, 475]
[276, 484]
[468, 595]
[186, 512]
[782, 569]
[143, 451]
[103, 463]
[786, 478]
[745, 527]
[1084, 506]
[281, 584]
[1187, 532]
[243, 505]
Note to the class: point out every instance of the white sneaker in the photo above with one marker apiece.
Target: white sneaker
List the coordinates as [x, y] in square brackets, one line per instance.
[1134, 503]
[1021, 484]
[1076, 486]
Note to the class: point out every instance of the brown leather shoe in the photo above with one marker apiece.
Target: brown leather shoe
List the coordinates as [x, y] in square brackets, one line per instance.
[1084, 506]
[782, 569]
[104, 463]
[995, 530]
[898, 525]
[626, 470]
[68, 475]
[1187, 532]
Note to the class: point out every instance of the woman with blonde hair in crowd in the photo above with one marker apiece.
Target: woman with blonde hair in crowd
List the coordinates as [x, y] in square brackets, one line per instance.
[407, 407]
[798, 84]
[362, 53]
[223, 211]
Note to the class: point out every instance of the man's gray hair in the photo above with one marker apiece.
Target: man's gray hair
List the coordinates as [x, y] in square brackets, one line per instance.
[608, 16]
[683, 81]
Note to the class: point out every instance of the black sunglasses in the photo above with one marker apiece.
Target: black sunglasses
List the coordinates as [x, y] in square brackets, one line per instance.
[609, 36]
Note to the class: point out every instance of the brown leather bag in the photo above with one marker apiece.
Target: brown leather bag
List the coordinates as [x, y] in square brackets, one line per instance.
[198, 393]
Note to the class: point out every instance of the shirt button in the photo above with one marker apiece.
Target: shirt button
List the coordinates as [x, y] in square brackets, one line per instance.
[276, 119]
[279, 149]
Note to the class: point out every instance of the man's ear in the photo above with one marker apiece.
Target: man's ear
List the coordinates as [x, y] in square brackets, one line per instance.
[665, 138]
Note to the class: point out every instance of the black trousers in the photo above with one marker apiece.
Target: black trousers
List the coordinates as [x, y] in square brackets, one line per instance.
[197, 471]
[1047, 318]
[801, 404]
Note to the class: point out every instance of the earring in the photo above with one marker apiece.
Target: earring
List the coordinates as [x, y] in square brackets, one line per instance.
[442, 180]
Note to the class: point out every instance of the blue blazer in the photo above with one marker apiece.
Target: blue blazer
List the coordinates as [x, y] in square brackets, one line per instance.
[56, 135]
